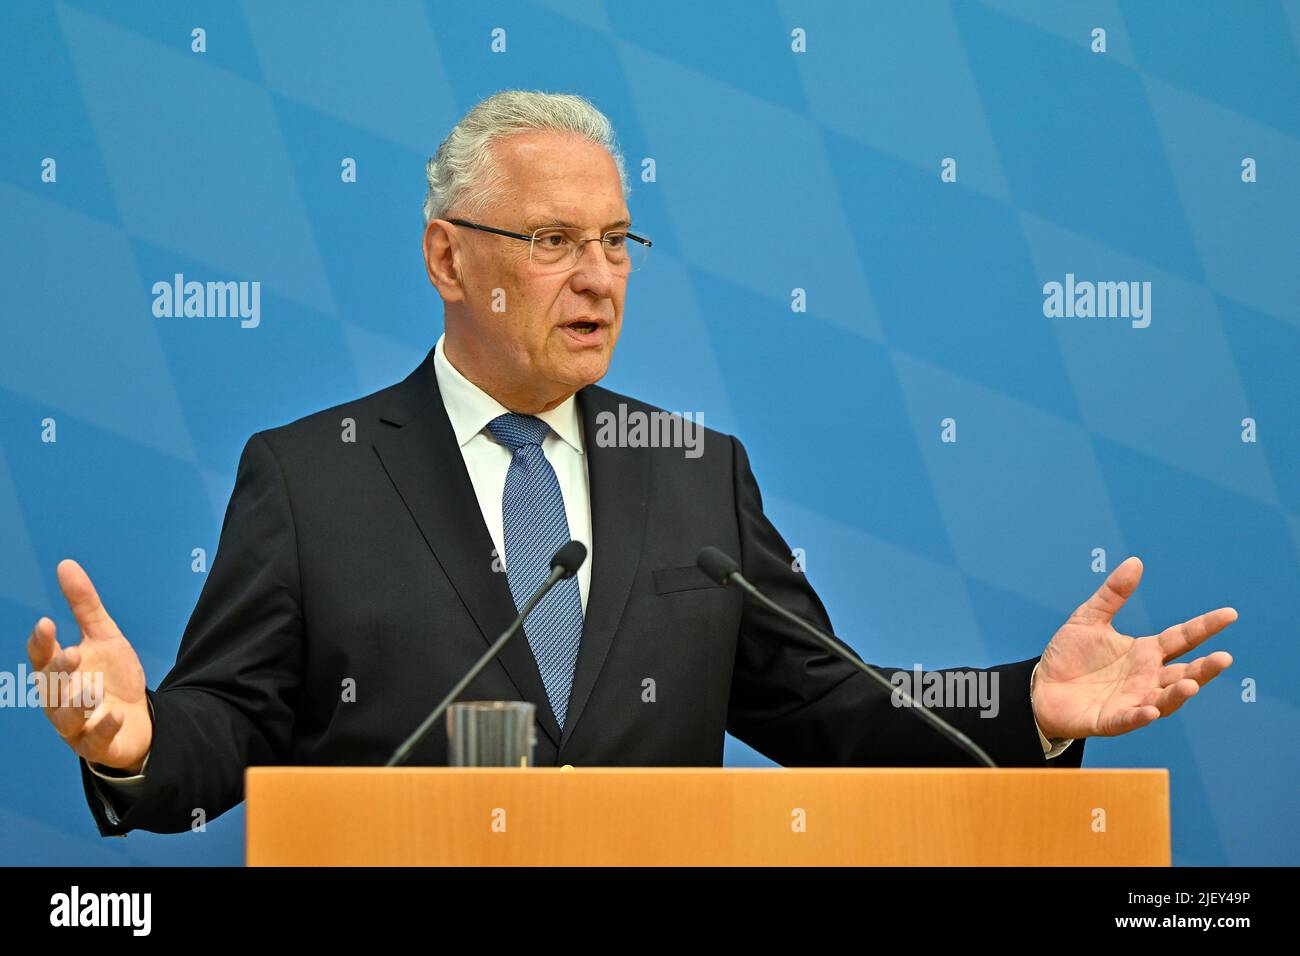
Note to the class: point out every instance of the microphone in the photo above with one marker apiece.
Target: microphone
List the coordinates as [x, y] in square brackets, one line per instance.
[723, 569]
[564, 565]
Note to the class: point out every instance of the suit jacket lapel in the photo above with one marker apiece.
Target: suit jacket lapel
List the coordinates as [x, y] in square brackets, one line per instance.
[619, 481]
[418, 450]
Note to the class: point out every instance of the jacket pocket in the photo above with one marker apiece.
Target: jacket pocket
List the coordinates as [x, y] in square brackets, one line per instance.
[689, 578]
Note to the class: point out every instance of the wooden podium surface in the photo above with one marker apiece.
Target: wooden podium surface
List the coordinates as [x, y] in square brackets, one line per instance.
[440, 816]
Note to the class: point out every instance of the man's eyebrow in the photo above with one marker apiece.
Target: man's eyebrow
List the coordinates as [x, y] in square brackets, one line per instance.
[534, 224]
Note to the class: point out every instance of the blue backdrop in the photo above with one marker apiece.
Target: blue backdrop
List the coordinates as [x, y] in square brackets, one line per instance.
[919, 170]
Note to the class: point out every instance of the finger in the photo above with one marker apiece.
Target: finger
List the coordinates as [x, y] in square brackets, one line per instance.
[96, 741]
[1202, 670]
[69, 720]
[62, 697]
[42, 644]
[1133, 719]
[1110, 597]
[1175, 695]
[1181, 638]
[83, 600]
[65, 662]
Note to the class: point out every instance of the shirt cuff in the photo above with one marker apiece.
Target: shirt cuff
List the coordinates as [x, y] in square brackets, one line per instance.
[1057, 745]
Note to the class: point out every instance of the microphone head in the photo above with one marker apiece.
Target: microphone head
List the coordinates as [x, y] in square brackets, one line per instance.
[716, 565]
[569, 558]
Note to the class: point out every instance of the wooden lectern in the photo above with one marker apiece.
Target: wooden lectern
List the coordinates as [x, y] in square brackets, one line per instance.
[605, 816]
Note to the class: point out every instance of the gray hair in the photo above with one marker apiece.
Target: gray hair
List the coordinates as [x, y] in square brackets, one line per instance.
[464, 173]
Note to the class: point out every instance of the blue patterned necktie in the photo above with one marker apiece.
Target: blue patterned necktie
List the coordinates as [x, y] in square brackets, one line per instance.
[532, 509]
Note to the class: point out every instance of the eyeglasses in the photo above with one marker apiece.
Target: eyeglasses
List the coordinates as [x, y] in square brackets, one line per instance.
[558, 248]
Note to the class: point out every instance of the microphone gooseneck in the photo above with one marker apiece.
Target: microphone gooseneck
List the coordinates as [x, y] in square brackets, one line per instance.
[564, 565]
[723, 569]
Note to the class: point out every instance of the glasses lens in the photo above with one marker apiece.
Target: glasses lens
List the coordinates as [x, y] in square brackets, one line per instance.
[558, 249]
[553, 247]
[633, 254]
[616, 248]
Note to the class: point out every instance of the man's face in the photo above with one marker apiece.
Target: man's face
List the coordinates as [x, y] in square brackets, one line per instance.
[552, 332]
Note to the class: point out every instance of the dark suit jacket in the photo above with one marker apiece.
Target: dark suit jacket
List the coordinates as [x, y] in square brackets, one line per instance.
[370, 561]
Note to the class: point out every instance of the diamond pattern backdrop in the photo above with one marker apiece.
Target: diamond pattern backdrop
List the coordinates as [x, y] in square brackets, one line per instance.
[775, 170]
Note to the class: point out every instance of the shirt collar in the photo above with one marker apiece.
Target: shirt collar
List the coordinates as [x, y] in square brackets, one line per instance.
[470, 408]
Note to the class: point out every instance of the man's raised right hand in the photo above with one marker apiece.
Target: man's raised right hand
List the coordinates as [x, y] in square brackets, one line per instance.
[118, 732]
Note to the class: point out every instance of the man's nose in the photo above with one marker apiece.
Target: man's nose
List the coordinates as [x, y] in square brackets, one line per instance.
[593, 272]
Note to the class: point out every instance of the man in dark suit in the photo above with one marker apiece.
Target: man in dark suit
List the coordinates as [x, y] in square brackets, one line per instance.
[372, 551]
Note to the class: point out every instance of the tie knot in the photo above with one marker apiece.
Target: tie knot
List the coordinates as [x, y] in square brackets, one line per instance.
[515, 431]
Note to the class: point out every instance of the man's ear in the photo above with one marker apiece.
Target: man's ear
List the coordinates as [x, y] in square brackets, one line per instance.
[440, 261]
